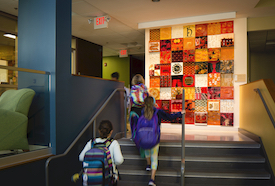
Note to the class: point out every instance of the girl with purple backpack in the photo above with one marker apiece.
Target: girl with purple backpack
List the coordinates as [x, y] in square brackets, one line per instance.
[152, 154]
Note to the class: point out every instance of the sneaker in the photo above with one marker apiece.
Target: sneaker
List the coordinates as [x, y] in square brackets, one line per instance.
[152, 182]
[148, 168]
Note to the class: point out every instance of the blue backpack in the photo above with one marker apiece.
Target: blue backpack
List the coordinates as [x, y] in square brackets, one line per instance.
[97, 165]
[147, 132]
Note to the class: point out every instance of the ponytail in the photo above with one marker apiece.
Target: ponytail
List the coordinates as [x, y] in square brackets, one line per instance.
[149, 107]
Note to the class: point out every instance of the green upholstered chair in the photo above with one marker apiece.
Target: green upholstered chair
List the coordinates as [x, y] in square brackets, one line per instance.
[14, 109]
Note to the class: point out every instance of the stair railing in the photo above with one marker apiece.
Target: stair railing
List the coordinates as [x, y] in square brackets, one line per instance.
[183, 142]
[265, 105]
[92, 121]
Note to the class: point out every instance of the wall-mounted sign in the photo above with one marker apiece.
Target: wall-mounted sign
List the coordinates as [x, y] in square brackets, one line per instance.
[100, 22]
[123, 53]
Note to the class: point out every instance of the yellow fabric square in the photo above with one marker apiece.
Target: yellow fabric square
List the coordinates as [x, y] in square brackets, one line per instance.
[165, 33]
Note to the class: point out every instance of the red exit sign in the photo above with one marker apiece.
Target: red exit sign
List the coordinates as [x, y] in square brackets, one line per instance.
[123, 53]
[100, 22]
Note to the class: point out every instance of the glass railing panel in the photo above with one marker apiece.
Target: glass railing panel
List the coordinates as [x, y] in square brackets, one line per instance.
[38, 129]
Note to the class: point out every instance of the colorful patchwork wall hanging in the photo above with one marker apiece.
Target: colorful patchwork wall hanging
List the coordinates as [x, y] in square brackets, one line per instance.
[200, 60]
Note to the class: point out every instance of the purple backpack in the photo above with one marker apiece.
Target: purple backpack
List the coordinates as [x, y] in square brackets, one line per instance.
[147, 132]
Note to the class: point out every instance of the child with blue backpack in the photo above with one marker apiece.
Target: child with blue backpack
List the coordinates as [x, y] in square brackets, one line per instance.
[105, 130]
[145, 135]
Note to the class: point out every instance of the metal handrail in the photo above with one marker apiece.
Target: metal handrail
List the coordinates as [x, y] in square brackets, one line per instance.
[265, 105]
[23, 69]
[183, 142]
[82, 132]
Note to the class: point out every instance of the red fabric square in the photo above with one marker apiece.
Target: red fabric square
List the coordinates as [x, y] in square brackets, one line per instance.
[189, 81]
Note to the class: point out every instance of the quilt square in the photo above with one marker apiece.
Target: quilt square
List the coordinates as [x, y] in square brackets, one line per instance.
[214, 41]
[227, 80]
[151, 73]
[214, 54]
[154, 81]
[165, 33]
[165, 45]
[188, 80]
[177, 68]
[176, 93]
[177, 44]
[165, 57]
[227, 67]
[189, 56]
[165, 70]
[189, 43]
[227, 119]
[227, 27]
[157, 72]
[165, 81]
[201, 93]
[201, 30]
[176, 105]
[201, 68]
[158, 104]
[177, 56]
[154, 34]
[214, 80]
[177, 81]
[165, 93]
[201, 55]
[227, 92]
[189, 93]
[154, 58]
[189, 106]
[227, 106]
[166, 105]
[154, 46]
[227, 40]
[188, 68]
[201, 118]
[155, 92]
[214, 93]
[214, 67]
[201, 80]
[214, 28]
[177, 32]
[214, 118]
[201, 42]
[189, 118]
[213, 105]
[189, 31]
[200, 105]
[227, 54]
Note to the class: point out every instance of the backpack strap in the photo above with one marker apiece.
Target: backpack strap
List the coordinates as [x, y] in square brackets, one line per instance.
[108, 142]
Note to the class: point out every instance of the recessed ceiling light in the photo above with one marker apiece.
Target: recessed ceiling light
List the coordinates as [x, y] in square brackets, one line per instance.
[155, 0]
[10, 36]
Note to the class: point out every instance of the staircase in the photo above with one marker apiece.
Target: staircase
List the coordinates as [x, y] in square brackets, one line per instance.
[208, 163]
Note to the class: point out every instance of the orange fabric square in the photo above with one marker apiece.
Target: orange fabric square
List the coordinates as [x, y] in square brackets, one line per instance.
[189, 93]
[201, 30]
[214, 54]
[214, 80]
[201, 55]
[227, 80]
[214, 118]
[154, 46]
[227, 53]
[154, 81]
[155, 35]
[227, 92]
[214, 28]
[189, 43]
[188, 68]
[177, 44]
[176, 93]
[227, 27]
[155, 92]
[165, 33]
[165, 57]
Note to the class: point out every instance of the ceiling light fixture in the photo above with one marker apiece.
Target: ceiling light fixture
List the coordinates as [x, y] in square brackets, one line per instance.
[155, 0]
[10, 36]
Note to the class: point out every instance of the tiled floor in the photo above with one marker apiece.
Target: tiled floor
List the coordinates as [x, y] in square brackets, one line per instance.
[173, 132]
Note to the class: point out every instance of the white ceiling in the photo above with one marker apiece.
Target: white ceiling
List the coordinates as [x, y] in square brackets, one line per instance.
[123, 32]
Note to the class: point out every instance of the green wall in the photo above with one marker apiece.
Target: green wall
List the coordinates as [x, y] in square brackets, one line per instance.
[117, 64]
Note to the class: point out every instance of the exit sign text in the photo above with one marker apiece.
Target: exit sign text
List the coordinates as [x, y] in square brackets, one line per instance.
[100, 22]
